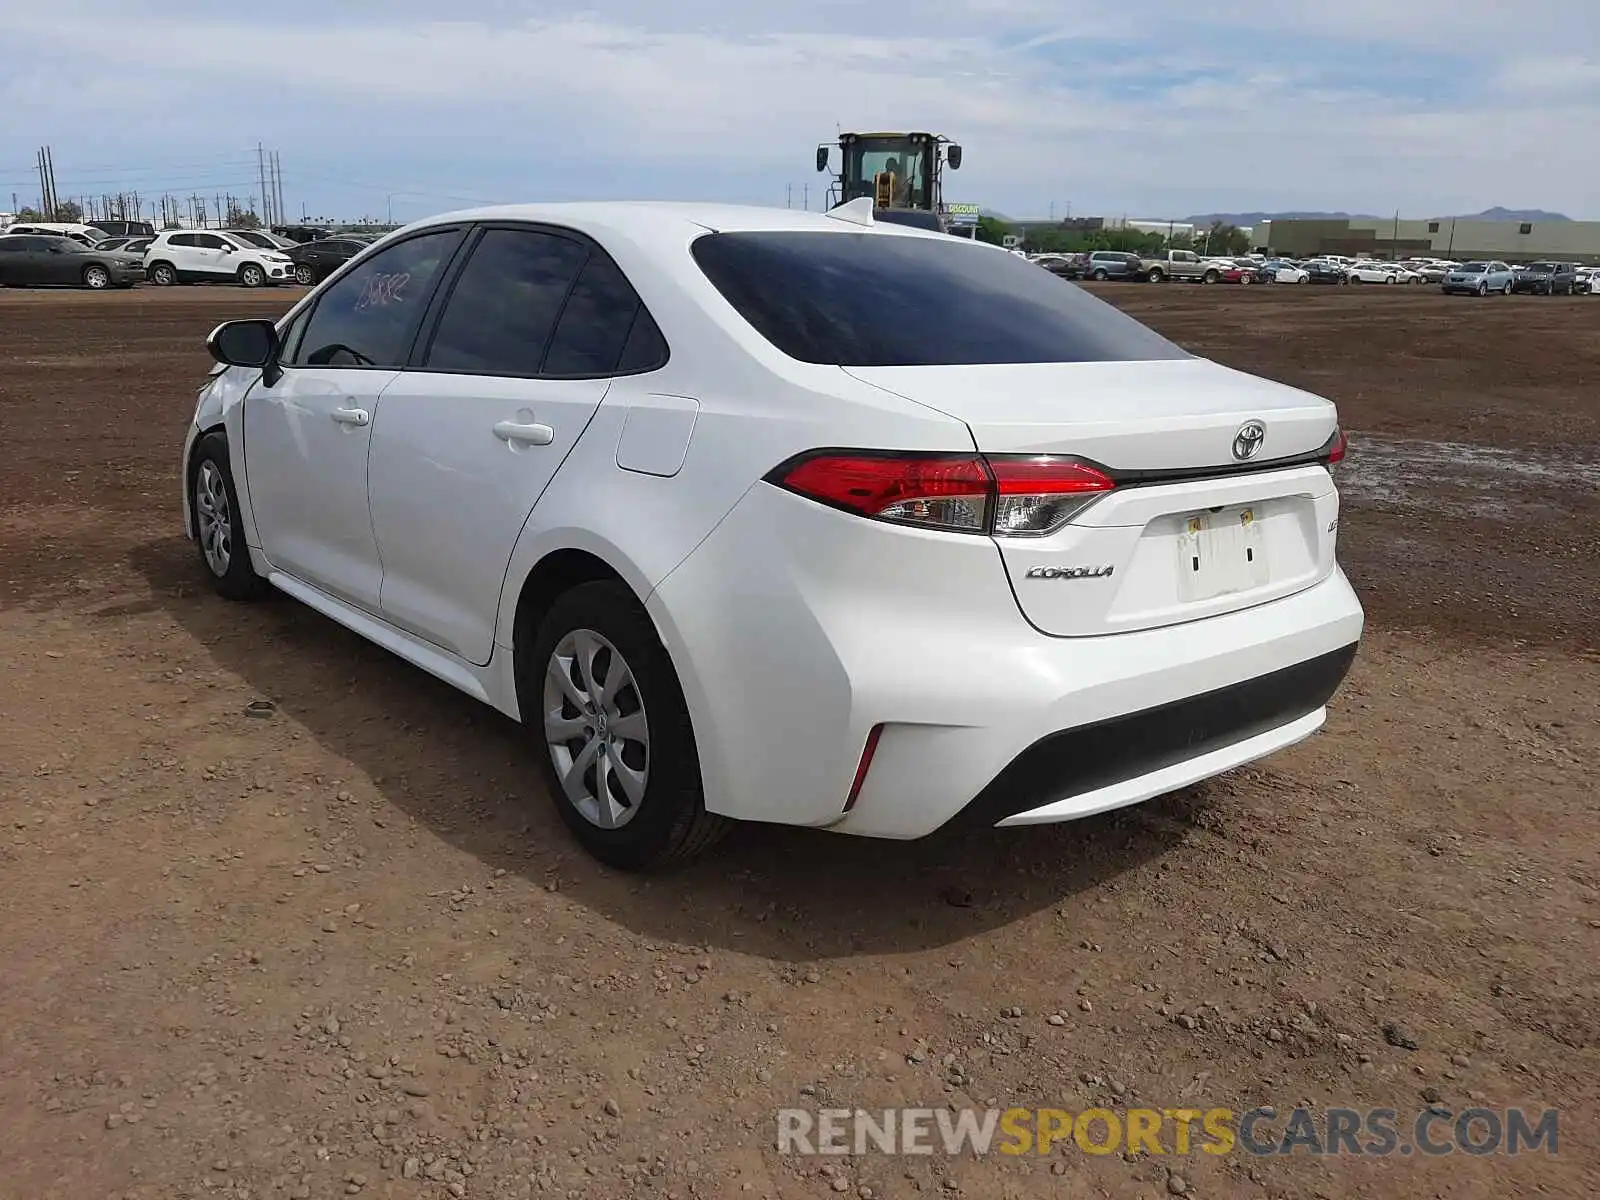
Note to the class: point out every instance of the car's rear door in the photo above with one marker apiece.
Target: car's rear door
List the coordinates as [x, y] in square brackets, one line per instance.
[513, 364]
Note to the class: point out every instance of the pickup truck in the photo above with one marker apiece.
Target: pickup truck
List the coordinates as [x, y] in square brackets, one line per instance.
[1183, 264]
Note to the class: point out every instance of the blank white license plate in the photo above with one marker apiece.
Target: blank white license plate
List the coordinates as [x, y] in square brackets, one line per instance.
[1219, 553]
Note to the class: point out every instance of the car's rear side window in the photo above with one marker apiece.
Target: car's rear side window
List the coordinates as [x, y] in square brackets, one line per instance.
[594, 323]
[881, 300]
[504, 306]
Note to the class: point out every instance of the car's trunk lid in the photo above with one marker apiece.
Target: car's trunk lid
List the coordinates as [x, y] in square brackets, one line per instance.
[1192, 529]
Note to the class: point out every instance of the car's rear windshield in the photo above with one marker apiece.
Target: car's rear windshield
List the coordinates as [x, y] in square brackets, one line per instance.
[877, 300]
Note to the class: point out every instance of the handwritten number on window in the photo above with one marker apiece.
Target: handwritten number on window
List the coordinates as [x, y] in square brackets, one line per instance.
[383, 290]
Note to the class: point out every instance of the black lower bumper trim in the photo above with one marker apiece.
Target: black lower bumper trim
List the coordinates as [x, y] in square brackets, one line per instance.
[1074, 761]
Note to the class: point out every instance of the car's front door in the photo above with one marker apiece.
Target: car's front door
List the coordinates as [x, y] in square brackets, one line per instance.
[306, 435]
[59, 263]
[213, 257]
[509, 374]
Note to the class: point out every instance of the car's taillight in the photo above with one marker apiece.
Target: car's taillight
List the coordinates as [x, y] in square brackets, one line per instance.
[1004, 495]
[1337, 446]
[936, 491]
[1039, 494]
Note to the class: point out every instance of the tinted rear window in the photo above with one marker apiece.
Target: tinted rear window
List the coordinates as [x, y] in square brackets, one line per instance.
[876, 300]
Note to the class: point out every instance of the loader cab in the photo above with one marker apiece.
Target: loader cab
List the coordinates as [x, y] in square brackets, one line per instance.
[900, 171]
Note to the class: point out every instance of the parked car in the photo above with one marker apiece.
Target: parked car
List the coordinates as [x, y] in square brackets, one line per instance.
[1318, 271]
[301, 233]
[203, 256]
[1235, 271]
[1114, 264]
[1182, 264]
[265, 241]
[1068, 266]
[34, 260]
[1277, 270]
[1586, 281]
[125, 228]
[315, 261]
[619, 488]
[1371, 270]
[1479, 278]
[1546, 279]
[84, 235]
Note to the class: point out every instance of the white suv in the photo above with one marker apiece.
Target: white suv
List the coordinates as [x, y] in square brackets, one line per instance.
[198, 256]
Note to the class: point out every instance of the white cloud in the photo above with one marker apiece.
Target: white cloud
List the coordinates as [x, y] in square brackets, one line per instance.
[1151, 106]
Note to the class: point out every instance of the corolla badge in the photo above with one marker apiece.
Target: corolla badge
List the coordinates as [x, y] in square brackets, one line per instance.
[1247, 442]
[1069, 572]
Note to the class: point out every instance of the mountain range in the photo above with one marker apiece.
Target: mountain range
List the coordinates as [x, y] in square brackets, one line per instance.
[1247, 219]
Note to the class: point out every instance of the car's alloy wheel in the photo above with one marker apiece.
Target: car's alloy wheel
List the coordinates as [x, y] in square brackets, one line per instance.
[598, 691]
[216, 522]
[213, 518]
[1099, 276]
[1506, 291]
[303, 276]
[596, 729]
[1483, 289]
[163, 275]
[96, 278]
[251, 276]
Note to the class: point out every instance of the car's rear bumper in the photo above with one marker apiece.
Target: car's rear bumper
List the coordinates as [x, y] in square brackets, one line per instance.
[798, 630]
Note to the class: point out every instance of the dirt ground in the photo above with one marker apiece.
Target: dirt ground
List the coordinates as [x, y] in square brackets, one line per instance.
[348, 949]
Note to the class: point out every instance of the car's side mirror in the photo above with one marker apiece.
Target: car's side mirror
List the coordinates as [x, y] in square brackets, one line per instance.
[244, 343]
[227, 249]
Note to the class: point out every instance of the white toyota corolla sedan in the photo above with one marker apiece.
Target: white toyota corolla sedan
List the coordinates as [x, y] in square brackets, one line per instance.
[782, 516]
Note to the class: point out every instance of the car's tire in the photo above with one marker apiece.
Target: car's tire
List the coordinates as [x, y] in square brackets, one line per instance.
[1099, 275]
[304, 275]
[1391, 279]
[1245, 279]
[1506, 291]
[662, 820]
[251, 276]
[1304, 279]
[96, 277]
[1483, 289]
[1211, 277]
[218, 537]
[1354, 279]
[1156, 275]
[162, 274]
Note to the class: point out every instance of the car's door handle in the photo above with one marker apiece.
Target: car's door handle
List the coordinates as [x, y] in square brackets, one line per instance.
[352, 416]
[532, 434]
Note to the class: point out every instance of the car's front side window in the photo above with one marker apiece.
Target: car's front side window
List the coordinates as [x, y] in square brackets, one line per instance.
[368, 317]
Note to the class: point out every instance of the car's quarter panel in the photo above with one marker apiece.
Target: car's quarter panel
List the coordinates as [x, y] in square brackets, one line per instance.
[450, 495]
[307, 477]
[802, 627]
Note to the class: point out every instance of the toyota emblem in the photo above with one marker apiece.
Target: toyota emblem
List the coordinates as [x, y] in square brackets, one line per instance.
[1247, 442]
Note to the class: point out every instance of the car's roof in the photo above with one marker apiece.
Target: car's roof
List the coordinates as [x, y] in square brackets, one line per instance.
[641, 219]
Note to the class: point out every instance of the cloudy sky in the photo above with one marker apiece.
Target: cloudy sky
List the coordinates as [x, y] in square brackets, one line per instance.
[1151, 108]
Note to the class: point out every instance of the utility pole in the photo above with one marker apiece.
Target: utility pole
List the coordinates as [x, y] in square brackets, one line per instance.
[277, 173]
[805, 193]
[788, 196]
[261, 175]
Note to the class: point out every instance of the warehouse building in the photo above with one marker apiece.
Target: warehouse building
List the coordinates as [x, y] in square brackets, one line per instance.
[1443, 237]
